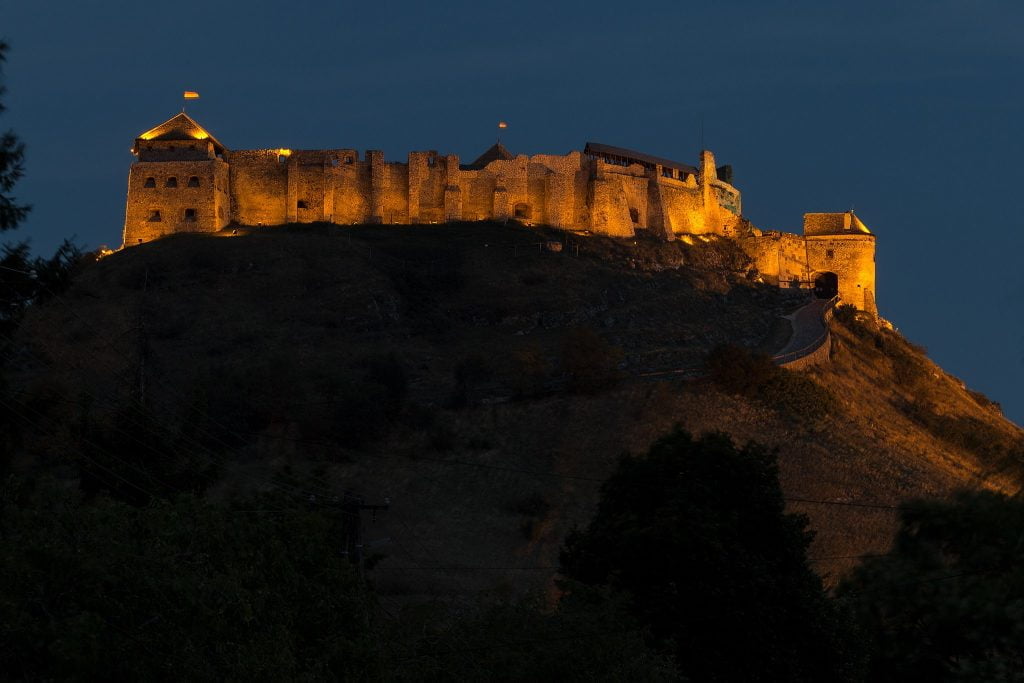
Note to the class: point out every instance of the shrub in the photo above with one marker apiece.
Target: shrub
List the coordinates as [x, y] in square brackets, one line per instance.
[526, 370]
[590, 362]
[469, 373]
[389, 372]
[754, 375]
[739, 370]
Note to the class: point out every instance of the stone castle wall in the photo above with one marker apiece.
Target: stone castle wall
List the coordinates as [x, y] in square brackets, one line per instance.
[788, 260]
[780, 257]
[186, 181]
[852, 259]
[169, 197]
[272, 187]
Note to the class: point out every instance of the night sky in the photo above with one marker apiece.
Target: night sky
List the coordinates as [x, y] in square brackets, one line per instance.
[908, 112]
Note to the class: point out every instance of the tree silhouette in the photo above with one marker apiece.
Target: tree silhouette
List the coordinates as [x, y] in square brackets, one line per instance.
[12, 166]
[695, 535]
[947, 603]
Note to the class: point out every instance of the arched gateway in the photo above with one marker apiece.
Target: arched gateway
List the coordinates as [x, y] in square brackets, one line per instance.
[826, 285]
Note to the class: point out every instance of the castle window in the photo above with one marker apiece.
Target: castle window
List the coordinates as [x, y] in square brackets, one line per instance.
[193, 181]
[190, 215]
[431, 161]
[348, 159]
[150, 182]
[171, 182]
[830, 253]
[154, 217]
[301, 204]
[634, 215]
[282, 158]
[522, 211]
[667, 172]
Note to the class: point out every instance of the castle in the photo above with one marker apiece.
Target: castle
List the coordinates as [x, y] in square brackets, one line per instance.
[185, 180]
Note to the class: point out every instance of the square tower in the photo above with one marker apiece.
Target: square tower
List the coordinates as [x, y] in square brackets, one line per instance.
[179, 182]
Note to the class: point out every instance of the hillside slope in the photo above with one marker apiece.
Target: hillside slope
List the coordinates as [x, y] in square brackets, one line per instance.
[480, 381]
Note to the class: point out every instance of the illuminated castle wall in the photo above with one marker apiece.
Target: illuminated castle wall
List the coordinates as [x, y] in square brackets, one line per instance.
[184, 180]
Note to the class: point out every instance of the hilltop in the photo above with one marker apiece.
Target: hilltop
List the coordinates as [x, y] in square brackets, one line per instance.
[484, 378]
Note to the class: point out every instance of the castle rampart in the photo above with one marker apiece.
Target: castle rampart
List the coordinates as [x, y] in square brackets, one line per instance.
[186, 181]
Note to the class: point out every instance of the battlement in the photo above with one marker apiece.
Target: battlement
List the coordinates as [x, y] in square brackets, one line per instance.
[605, 190]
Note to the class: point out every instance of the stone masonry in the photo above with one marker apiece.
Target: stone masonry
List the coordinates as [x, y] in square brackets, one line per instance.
[184, 180]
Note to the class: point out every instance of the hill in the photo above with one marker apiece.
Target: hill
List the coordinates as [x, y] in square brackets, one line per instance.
[480, 378]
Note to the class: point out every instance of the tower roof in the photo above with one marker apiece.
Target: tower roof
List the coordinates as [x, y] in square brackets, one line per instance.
[839, 223]
[180, 127]
[495, 152]
[598, 149]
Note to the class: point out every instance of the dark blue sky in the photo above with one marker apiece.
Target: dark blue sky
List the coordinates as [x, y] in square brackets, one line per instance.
[910, 112]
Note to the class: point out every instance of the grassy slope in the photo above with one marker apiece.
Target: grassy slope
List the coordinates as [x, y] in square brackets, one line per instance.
[278, 324]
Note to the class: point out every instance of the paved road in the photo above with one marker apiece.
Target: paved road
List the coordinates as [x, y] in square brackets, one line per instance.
[808, 326]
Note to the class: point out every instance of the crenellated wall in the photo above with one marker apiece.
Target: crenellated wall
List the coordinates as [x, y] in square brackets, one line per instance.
[574, 191]
[603, 190]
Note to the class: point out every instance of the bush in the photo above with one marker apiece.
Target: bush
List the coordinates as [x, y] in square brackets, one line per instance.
[105, 591]
[469, 373]
[754, 375]
[526, 370]
[389, 372]
[989, 444]
[738, 370]
[945, 603]
[590, 363]
[134, 457]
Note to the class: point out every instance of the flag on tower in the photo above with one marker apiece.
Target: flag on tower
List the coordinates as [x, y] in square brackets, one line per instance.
[191, 95]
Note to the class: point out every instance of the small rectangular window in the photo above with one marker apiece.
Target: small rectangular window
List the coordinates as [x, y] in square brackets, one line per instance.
[193, 181]
[190, 214]
[830, 253]
[150, 182]
[154, 217]
[301, 204]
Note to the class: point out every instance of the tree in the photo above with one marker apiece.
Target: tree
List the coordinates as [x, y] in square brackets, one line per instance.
[182, 589]
[696, 536]
[12, 156]
[947, 604]
[523, 640]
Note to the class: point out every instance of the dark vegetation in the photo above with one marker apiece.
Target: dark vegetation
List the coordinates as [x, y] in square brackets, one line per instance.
[921, 399]
[946, 604]
[695, 535]
[124, 556]
[754, 375]
[690, 569]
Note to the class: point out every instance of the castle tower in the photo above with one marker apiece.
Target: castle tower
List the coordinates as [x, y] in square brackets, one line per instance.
[841, 258]
[179, 182]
